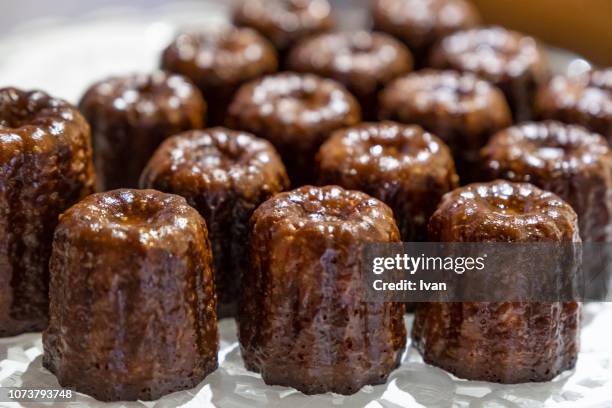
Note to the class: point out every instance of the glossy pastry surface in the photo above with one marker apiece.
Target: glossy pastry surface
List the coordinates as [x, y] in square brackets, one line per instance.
[506, 342]
[514, 62]
[302, 322]
[363, 61]
[460, 108]
[133, 305]
[565, 159]
[218, 62]
[131, 115]
[225, 175]
[45, 167]
[402, 165]
[584, 99]
[296, 113]
[285, 22]
[422, 23]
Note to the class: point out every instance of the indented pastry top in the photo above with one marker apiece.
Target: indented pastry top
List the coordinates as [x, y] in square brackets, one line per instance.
[503, 211]
[394, 152]
[328, 211]
[443, 92]
[549, 149]
[420, 23]
[136, 218]
[362, 60]
[143, 98]
[216, 159]
[285, 21]
[589, 93]
[226, 56]
[36, 122]
[286, 104]
[495, 53]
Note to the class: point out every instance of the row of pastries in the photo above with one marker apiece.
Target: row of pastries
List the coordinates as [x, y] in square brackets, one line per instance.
[244, 178]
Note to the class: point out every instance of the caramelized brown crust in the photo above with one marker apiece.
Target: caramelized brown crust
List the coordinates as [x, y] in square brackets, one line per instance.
[45, 167]
[404, 166]
[422, 23]
[218, 62]
[584, 99]
[285, 22]
[567, 160]
[225, 175]
[302, 322]
[507, 342]
[133, 306]
[461, 109]
[364, 62]
[130, 116]
[502, 211]
[296, 113]
[499, 342]
[512, 61]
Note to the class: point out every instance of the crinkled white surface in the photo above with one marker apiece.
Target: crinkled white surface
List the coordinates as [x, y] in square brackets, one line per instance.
[413, 384]
[63, 59]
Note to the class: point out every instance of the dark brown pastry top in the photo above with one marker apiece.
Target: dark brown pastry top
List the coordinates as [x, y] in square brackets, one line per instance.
[224, 57]
[421, 23]
[450, 104]
[34, 122]
[382, 156]
[539, 151]
[133, 304]
[143, 219]
[284, 22]
[565, 159]
[131, 115]
[494, 53]
[502, 211]
[330, 211]
[584, 99]
[144, 100]
[217, 160]
[296, 112]
[402, 165]
[361, 60]
[45, 167]
[294, 109]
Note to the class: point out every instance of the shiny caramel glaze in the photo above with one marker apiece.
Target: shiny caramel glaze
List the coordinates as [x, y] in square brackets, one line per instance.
[584, 99]
[362, 61]
[460, 108]
[514, 62]
[218, 62]
[402, 165]
[507, 342]
[502, 211]
[225, 175]
[45, 167]
[133, 305]
[130, 116]
[296, 113]
[302, 322]
[565, 159]
[422, 23]
[285, 22]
